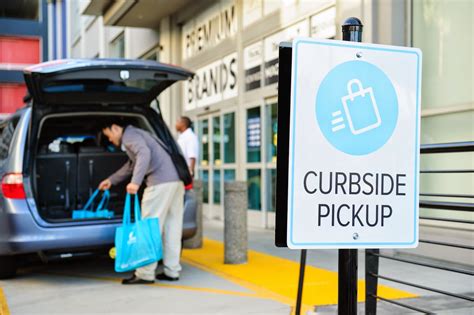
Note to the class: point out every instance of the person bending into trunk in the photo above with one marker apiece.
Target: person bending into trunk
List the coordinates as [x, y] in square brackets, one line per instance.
[163, 196]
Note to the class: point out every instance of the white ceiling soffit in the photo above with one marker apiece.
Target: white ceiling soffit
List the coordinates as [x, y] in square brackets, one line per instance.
[142, 13]
[96, 7]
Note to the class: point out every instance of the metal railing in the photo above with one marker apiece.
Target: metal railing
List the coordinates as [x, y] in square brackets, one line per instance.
[373, 256]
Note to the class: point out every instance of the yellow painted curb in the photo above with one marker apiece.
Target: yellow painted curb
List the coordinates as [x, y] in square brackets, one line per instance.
[277, 278]
[3, 304]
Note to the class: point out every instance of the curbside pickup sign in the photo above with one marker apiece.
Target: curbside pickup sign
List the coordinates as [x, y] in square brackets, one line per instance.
[354, 145]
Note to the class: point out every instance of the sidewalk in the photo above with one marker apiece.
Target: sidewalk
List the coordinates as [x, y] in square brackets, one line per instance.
[321, 275]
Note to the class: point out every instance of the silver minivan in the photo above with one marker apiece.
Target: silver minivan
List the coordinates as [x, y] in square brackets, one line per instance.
[53, 155]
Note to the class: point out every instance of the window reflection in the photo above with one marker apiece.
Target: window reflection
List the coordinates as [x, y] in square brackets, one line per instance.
[229, 138]
[254, 189]
[203, 137]
[216, 140]
[217, 187]
[204, 175]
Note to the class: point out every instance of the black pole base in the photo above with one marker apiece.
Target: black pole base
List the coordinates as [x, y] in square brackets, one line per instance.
[301, 282]
[347, 282]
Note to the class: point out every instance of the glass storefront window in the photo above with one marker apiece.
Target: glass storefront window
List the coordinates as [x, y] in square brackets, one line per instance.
[271, 132]
[254, 142]
[216, 139]
[204, 175]
[271, 193]
[26, 9]
[203, 142]
[443, 30]
[229, 138]
[254, 183]
[229, 175]
[217, 187]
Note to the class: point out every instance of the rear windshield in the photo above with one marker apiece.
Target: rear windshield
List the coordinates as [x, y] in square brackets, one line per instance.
[129, 86]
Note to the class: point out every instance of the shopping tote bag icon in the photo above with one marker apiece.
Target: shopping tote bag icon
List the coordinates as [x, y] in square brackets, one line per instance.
[89, 213]
[139, 243]
[361, 108]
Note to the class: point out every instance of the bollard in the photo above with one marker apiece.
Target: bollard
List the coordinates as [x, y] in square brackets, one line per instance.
[235, 222]
[196, 240]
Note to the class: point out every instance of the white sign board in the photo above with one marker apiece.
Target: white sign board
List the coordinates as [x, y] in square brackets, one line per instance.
[271, 47]
[354, 145]
[253, 60]
[212, 83]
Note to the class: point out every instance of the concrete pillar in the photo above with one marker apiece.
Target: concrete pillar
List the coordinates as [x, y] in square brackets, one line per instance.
[235, 222]
[196, 241]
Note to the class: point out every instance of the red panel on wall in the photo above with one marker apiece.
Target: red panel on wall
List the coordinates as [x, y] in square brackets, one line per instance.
[11, 97]
[19, 50]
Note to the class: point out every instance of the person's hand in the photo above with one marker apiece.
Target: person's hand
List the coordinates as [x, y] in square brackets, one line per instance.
[132, 188]
[105, 184]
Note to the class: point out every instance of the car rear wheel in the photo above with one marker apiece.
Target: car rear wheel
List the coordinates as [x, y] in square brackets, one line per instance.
[8, 265]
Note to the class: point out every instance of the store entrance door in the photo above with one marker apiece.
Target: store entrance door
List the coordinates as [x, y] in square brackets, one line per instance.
[217, 161]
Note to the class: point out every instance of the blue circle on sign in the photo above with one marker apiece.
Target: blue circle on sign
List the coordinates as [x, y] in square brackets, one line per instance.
[357, 107]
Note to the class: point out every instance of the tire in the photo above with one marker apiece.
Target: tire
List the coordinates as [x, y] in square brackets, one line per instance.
[8, 266]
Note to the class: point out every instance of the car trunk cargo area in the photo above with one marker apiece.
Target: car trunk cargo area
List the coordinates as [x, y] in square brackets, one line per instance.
[72, 158]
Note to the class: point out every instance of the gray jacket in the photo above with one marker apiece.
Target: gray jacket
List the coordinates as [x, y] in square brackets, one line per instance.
[148, 160]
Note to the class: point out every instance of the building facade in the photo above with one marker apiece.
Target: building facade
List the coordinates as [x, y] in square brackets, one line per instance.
[31, 31]
[23, 41]
[232, 46]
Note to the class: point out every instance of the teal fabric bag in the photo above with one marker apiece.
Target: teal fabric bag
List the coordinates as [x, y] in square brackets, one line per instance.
[89, 213]
[139, 243]
[102, 211]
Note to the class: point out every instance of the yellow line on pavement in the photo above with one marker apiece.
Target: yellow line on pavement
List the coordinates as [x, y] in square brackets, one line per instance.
[277, 278]
[159, 284]
[3, 304]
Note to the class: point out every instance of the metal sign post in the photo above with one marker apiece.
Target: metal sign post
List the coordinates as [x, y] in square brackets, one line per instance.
[299, 296]
[347, 264]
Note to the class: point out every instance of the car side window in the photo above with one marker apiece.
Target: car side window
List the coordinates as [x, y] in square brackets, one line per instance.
[7, 130]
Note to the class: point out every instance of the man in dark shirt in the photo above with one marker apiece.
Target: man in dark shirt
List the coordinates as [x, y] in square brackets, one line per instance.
[163, 197]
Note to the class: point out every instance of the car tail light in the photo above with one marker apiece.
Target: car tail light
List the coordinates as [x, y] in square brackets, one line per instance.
[12, 186]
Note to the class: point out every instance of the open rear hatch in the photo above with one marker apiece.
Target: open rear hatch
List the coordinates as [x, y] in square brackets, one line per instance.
[100, 81]
[65, 179]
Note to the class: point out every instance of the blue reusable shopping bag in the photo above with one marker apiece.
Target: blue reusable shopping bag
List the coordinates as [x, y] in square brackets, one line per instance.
[88, 212]
[102, 211]
[137, 244]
